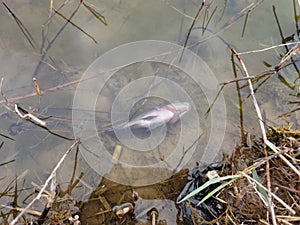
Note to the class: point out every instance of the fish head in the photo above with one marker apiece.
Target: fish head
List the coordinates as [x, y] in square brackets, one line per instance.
[178, 109]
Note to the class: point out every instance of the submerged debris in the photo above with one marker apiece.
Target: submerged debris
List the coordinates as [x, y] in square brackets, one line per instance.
[122, 210]
[153, 215]
[191, 211]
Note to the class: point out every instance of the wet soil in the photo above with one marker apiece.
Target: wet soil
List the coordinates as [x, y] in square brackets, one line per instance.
[243, 203]
[98, 210]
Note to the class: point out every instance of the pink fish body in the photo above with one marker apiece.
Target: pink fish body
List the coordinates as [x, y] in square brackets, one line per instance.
[164, 114]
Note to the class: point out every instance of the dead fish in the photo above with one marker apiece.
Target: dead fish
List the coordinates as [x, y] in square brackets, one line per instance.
[157, 117]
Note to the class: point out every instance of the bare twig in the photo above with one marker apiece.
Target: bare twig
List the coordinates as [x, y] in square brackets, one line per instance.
[269, 185]
[260, 122]
[268, 48]
[29, 116]
[32, 94]
[236, 80]
[292, 52]
[191, 28]
[28, 211]
[33, 119]
[185, 151]
[286, 188]
[52, 175]
[275, 149]
[252, 95]
[1, 92]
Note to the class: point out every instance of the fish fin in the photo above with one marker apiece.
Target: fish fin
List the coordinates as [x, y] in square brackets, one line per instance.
[149, 117]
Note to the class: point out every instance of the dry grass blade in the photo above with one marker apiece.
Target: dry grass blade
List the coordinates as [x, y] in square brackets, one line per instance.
[235, 80]
[73, 24]
[5, 163]
[191, 28]
[182, 13]
[214, 101]
[8, 137]
[21, 26]
[284, 40]
[6, 190]
[244, 27]
[185, 151]
[98, 15]
[53, 40]
[209, 19]
[285, 82]
[30, 212]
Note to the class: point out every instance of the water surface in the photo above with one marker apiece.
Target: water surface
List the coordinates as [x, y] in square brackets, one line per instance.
[36, 152]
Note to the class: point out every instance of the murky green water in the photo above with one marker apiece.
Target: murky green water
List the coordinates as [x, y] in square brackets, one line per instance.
[36, 152]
